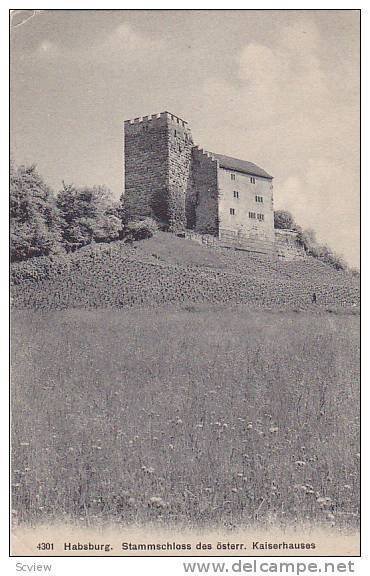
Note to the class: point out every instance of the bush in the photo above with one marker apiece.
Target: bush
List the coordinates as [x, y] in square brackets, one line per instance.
[283, 220]
[140, 229]
[322, 252]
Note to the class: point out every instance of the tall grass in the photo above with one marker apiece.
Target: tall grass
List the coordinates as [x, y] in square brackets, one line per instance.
[192, 417]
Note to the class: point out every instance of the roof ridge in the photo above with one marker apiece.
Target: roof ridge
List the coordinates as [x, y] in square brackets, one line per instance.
[239, 165]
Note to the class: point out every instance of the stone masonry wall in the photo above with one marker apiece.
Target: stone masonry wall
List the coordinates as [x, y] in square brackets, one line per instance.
[180, 143]
[146, 167]
[286, 245]
[157, 166]
[203, 200]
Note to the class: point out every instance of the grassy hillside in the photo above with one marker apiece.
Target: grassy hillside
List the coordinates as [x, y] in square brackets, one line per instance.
[207, 417]
[168, 269]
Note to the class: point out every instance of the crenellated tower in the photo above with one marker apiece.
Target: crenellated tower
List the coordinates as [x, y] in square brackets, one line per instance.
[158, 150]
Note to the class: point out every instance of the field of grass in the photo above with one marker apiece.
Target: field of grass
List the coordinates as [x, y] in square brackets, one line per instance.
[201, 416]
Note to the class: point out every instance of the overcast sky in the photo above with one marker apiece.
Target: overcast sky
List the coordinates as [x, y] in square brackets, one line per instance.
[278, 88]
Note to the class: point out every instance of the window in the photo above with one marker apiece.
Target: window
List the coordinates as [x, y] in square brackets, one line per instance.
[252, 179]
[236, 194]
[259, 198]
[232, 211]
[252, 215]
[260, 217]
[232, 176]
[175, 132]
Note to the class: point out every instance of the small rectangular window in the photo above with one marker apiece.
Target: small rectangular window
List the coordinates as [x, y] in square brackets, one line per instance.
[232, 176]
[236, 194]
[261, 216]
[259, 198]
[232, 211]
[252, 179]
[252, 215]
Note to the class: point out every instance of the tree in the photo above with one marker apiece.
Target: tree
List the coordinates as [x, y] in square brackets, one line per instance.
[307, 239]
[34, 223]
[86, 216]
[284, 220]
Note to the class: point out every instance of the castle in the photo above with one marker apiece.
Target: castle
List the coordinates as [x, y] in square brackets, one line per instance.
[188, 189]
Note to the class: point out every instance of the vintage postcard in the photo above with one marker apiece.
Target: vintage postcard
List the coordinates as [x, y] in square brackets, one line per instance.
[185, 293]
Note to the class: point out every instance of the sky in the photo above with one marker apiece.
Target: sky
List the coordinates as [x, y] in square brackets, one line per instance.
[279, 88]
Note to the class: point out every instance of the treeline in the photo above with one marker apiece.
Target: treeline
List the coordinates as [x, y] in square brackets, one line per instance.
[42, 223]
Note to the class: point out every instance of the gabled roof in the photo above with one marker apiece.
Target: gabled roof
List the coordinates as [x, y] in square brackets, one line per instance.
[240, 166]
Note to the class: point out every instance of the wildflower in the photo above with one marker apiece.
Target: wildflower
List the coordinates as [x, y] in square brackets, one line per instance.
[249, 426]
[157, 502]
[234, 490]
[300, 463]
[324, 501]
[25, 443]
[274, 429]
[179, 421]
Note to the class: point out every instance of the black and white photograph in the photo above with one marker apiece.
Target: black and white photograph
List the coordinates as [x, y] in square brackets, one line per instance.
[185, 282]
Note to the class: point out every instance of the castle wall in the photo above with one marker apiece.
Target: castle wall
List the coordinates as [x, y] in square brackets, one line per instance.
[157, 167]
[286, 245]
[238, 191]
[180, 145]
[203, 198]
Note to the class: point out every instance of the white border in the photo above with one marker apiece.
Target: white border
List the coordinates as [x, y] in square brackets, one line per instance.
[170, 566]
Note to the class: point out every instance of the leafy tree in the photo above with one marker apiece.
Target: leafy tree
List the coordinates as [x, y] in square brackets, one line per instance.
[284, 220]
[34, 224]
[87, 215]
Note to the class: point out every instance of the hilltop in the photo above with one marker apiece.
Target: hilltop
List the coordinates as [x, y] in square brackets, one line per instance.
[168, 269]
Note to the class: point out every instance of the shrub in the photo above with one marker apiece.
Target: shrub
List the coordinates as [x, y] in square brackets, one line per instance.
[284, 220]
[141, 229]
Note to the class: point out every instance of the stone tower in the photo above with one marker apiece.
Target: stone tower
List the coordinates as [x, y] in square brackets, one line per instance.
[157, 168]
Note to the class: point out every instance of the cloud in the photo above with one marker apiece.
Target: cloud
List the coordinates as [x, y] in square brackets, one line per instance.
[285, 110]
[123, 44]
[47, 49]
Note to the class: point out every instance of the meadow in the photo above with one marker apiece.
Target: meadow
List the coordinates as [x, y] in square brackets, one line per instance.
[201, 415]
